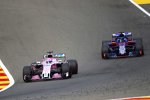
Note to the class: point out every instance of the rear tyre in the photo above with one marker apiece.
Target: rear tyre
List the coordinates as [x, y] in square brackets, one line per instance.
[104, 50]
[66, 71]
[74, 66]
[27, 74]
[139, 47]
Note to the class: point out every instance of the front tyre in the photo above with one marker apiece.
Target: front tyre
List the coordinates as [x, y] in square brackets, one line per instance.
[66, 71]
[104, 50]
[74, 66]
[27, 74]
[139, 47]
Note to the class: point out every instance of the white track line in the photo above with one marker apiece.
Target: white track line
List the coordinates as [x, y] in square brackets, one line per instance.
[142, 9]
[9, 76]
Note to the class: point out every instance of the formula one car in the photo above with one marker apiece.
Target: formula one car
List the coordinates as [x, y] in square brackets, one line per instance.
[52, 66]
[122, 45]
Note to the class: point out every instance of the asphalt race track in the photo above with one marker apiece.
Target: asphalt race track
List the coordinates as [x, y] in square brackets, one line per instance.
[29, 28]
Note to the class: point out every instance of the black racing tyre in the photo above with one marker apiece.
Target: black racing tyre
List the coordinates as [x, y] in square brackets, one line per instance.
[74, 66]
[139, 47]
[66, 69]
[104, 49]
[27, 74]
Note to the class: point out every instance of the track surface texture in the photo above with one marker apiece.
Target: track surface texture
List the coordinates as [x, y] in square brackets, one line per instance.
[28, 28]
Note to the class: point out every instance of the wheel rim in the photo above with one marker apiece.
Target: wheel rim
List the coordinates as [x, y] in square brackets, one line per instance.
[24, 77]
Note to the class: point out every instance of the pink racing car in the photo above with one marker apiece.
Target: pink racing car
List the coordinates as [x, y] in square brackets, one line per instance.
[52, 66]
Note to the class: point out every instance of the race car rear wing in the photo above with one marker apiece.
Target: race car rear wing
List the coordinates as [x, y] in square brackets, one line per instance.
[127, 34]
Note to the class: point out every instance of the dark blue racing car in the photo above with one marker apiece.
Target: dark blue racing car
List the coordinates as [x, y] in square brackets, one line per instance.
[122, 45]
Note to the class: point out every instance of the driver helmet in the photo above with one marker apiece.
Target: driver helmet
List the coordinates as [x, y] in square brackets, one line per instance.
[48, 55]
[121, 34]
